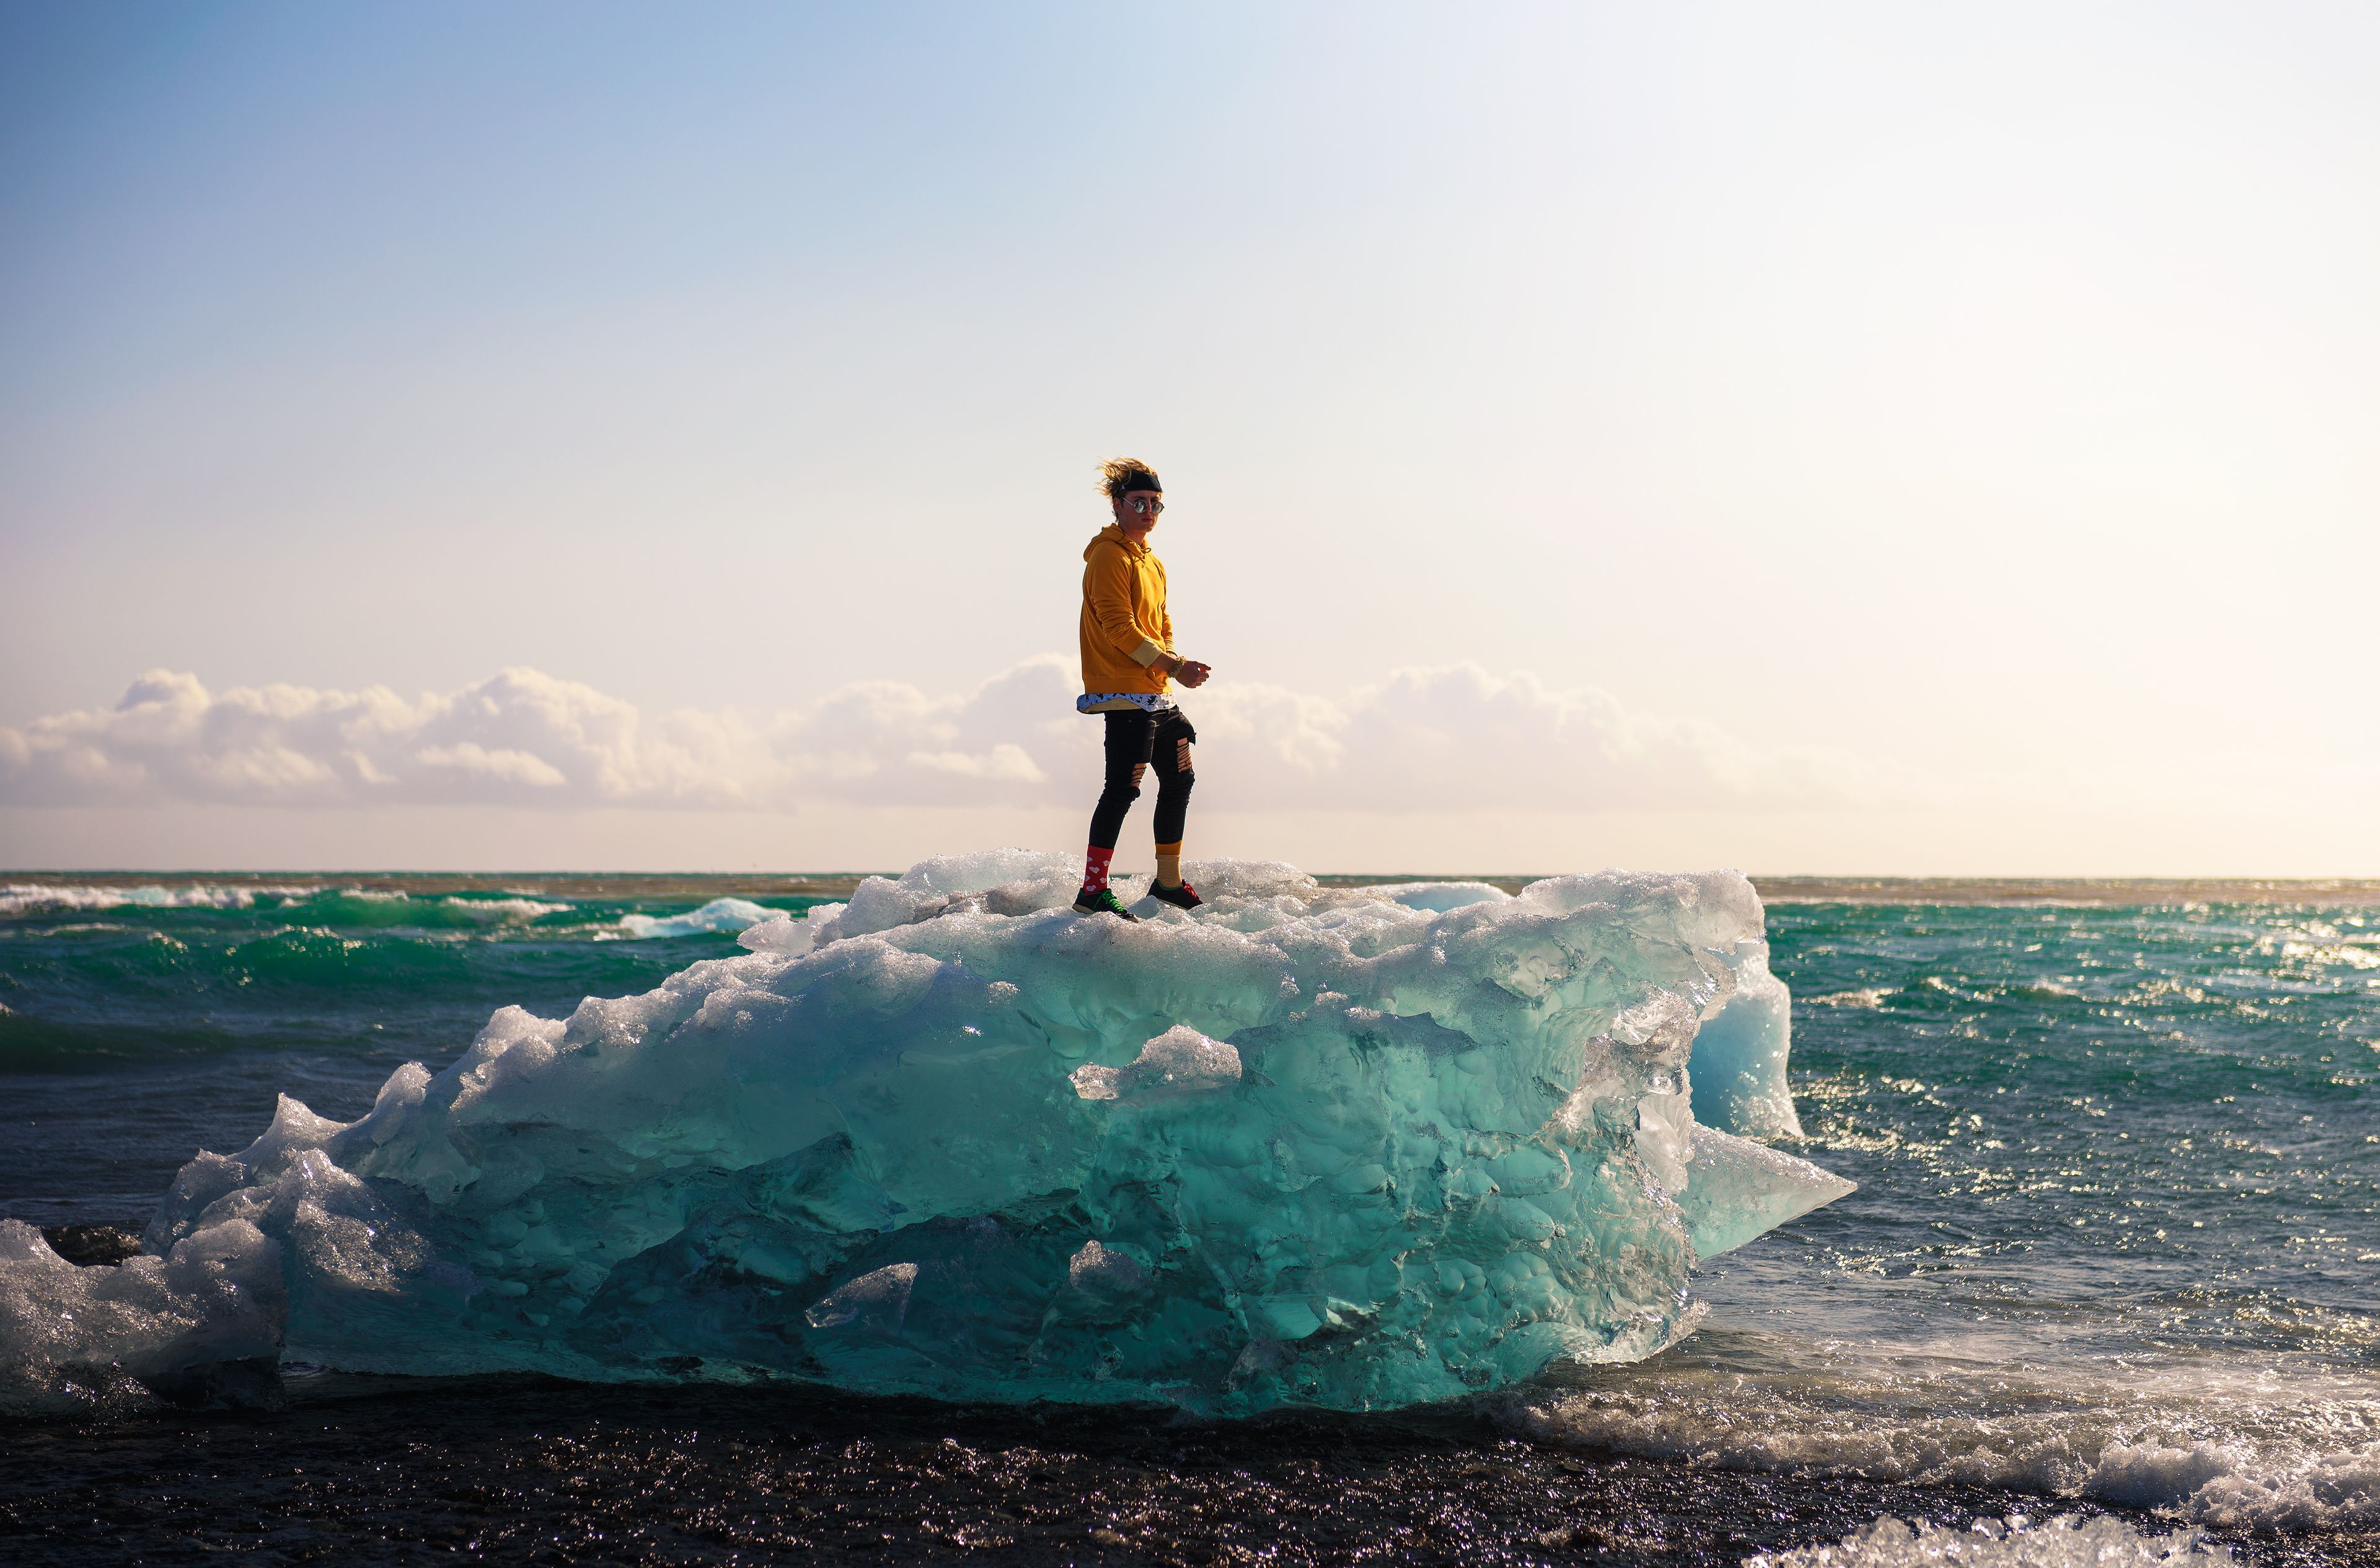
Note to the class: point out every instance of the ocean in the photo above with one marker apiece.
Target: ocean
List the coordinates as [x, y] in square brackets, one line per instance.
[2112, 1270]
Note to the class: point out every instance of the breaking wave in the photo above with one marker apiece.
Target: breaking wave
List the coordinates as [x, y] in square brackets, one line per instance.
[2012, 1542]
[2291, 1445]
[22, 898]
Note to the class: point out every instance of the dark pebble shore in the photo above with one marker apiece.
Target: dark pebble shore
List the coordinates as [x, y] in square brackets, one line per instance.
[362, 1470]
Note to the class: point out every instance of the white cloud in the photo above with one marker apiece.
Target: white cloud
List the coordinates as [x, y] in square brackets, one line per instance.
[513, 767]
[1452, 738]
[1459, 738]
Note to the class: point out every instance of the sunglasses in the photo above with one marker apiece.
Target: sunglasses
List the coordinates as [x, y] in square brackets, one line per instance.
[1146, 507]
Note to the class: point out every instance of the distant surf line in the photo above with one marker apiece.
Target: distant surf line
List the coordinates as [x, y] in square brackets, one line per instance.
[698, 886]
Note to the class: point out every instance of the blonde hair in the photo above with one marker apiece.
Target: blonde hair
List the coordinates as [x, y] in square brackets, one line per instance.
[1120, 476]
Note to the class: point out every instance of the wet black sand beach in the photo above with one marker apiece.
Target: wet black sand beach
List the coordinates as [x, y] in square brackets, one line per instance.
[381, 1471]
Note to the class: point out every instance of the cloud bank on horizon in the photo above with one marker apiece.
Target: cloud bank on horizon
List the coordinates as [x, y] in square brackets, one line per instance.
[1454, 737]
[1447, 767]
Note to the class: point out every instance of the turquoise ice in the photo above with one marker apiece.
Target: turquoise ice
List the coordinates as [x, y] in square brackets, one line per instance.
[1352, 1149]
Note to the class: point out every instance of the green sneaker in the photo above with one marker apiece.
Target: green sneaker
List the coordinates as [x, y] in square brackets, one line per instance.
[1103, 901]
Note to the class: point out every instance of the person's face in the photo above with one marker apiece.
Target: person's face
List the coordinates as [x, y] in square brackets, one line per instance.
[1137, 510]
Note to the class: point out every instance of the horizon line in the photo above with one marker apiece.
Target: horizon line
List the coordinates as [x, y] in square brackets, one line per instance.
[1789, 888]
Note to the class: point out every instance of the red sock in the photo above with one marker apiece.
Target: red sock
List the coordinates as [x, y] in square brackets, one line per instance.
[1095, 868]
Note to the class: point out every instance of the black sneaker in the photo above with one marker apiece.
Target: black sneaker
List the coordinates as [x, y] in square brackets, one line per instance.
[1183, 897]
[1103, 901]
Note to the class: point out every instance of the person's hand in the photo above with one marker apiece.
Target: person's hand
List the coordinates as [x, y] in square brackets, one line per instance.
[1191, 672]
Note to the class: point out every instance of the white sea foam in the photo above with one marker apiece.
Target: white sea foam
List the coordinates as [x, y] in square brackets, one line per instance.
[1867, 996]
[2286, 1445]
[2014, 1542]
[719, 915]
[504, 911]
[25, 898]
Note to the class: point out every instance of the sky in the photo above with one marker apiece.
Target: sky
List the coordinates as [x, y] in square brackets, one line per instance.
[1866, 439]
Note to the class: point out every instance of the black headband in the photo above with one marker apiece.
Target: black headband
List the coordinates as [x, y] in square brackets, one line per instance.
[1133, 481]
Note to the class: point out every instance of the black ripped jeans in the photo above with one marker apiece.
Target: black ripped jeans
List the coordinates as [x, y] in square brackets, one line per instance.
[1137, 741]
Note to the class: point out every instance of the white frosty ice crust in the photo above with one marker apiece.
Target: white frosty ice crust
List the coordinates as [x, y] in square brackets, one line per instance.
[1351, 1149]
[70, 1337]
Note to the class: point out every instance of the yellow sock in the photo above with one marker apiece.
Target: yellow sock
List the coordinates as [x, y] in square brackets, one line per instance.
[1169, 864]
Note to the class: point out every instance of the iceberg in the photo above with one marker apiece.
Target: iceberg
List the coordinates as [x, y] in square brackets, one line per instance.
[1351, 1149]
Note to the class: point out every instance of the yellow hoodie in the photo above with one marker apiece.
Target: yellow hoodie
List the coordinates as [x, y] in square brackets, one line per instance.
[1124, 626]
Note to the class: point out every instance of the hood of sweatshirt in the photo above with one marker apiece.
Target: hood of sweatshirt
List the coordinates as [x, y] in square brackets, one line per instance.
[1114, 534]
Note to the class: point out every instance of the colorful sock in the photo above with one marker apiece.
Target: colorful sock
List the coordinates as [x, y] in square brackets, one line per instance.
[1095, 868]
[1169, 864]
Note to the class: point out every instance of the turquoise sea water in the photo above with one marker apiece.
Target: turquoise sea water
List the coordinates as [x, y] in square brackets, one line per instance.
[2117, 1231]
[2117, 1237]
[145, 1022]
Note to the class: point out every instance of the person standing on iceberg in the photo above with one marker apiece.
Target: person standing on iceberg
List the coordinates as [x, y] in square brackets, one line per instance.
[1128, 665]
